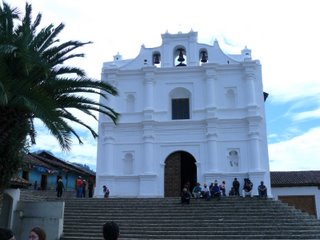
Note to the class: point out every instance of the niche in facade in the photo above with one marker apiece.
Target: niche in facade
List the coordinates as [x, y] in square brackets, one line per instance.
[230, 97]
[128, 164]
[233, 157]
[130, 102]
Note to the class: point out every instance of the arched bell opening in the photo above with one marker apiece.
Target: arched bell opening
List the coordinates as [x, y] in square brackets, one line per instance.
[180, 57]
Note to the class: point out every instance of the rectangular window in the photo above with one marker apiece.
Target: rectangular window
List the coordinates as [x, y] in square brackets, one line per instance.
[180, 108]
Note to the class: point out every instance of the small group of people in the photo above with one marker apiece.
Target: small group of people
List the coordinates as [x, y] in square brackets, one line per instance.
[217, 191]
[214, 191]
[82, 186]
[247, 189]
[35, 233]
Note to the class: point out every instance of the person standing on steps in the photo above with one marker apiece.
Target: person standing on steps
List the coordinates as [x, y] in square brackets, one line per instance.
[79, 187]
[90, 187]
[236, 186]
[84, 187]
[110, 231]
[60, 188]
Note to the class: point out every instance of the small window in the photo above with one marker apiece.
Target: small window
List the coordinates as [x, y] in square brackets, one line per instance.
[180, 108]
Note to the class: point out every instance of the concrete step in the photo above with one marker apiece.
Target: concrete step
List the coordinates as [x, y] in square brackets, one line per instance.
[166, 218]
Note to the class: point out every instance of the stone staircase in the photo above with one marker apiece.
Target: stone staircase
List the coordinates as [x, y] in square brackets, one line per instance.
[166, 218]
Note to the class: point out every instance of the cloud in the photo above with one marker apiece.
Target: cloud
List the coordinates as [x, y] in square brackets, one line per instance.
[300, 152]
[314, 114]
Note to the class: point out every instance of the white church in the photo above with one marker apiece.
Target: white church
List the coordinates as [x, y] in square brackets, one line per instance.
[189, 113]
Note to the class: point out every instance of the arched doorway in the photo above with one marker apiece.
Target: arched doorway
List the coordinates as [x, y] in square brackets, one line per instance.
[180, 168]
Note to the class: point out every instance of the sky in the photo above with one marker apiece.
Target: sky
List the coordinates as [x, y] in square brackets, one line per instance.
[283, 35]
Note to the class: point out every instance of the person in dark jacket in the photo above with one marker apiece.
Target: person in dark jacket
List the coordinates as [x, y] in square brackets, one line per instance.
[6, 234]
[236, 186]
[60, 188]
[90, 188]
[84, 187]
[262, 190]
[185, 196]
[110, 231]
[216, 192]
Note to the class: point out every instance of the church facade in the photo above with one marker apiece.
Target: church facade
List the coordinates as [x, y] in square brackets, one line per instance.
[189, 113]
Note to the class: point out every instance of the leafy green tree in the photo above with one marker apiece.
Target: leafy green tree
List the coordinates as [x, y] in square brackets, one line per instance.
[36, 84]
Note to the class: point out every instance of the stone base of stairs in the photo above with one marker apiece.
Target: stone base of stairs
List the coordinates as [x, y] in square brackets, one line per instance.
[167, 218]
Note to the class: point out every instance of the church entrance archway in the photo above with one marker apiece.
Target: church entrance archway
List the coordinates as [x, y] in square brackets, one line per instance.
[180, 168]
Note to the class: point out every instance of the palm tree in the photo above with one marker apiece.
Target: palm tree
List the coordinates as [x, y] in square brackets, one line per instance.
[35, 84]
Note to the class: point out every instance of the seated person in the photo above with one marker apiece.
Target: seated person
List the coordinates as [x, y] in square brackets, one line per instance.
[210, 188]
[216, 193]
[196, 192]
[106, 191]
[185, 196]
[232, 192]
[247, 188]
[262, 190]
[205, 192]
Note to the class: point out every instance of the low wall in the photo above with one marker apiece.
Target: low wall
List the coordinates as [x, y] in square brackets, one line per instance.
[47, 215]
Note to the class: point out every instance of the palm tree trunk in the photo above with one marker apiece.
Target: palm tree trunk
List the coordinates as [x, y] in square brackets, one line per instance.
[13, 133]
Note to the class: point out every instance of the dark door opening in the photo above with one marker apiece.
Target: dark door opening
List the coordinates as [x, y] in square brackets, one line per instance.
[180, 169]
[44, 181]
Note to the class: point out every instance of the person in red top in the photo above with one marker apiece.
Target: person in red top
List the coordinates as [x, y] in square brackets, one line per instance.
[79, 187]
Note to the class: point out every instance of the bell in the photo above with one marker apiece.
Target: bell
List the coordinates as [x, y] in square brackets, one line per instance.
[156, 58]
[181, 58]
[204, 58]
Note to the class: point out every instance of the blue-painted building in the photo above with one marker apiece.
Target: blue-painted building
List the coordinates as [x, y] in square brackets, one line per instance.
[42, 170]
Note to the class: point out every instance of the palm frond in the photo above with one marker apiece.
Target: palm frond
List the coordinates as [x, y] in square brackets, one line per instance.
[36, 83]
